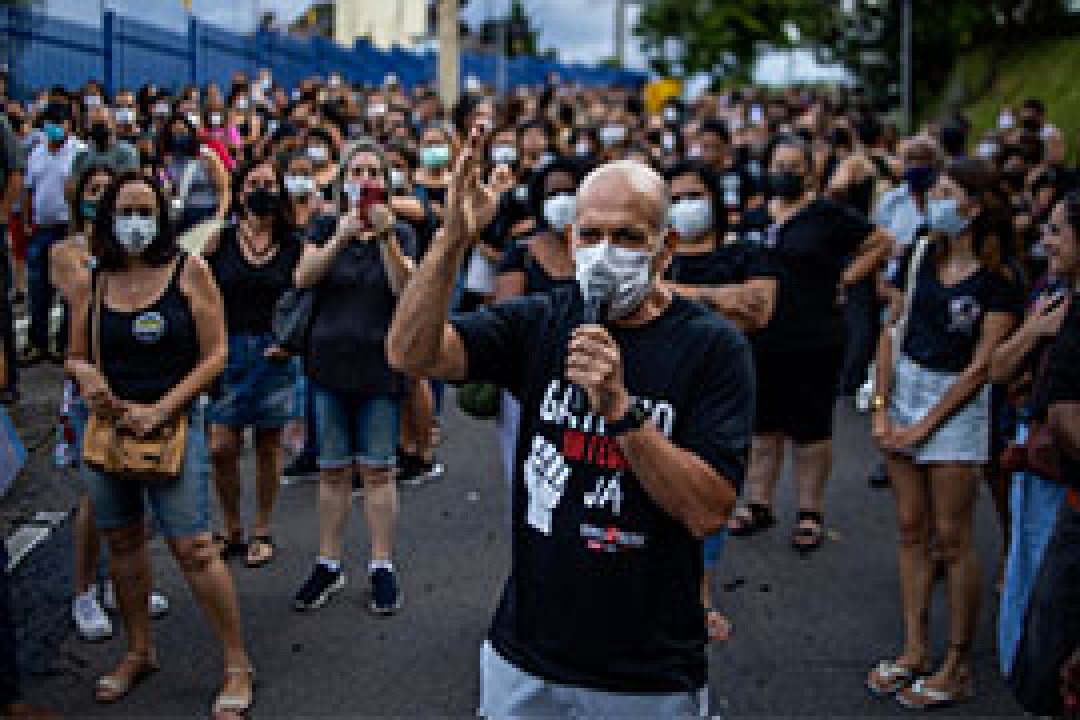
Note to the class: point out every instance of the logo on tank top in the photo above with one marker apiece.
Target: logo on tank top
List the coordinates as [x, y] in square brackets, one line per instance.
[964, 314]
[149, 327]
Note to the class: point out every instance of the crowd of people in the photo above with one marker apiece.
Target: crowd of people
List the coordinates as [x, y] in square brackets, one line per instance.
[626, 287]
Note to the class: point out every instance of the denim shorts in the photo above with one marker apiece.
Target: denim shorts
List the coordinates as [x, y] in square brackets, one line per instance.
[254, 391]
[356, 428]
[180, 508]
[963, 438]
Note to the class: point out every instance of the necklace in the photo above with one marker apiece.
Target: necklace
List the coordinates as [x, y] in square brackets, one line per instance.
[247, 238]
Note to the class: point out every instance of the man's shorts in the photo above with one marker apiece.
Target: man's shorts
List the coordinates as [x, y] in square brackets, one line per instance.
[509, 692]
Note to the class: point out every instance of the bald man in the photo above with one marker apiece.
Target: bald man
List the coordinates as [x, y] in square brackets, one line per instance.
[632, 446]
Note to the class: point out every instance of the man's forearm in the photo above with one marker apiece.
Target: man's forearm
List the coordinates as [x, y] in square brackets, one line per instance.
[681, 483]
[417, 331]
[11, 192]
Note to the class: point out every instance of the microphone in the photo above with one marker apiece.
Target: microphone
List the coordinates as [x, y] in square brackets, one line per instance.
[599, 290]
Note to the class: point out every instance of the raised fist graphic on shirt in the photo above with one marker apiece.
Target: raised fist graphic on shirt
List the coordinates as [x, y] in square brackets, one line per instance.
[546, 473]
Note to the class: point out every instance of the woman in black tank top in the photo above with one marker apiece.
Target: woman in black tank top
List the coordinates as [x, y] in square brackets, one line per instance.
[253, 261]
[161, 339]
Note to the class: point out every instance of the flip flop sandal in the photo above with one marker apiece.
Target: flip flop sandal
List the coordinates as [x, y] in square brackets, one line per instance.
[808, 539]
[111, 688]
[237, 705]
[751, 519]
[889, 678]
[256, 541]
[920, 697]
[717, 625]
[230, 547]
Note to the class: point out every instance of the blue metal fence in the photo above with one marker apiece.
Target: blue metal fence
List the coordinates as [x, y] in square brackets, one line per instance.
[41, 51]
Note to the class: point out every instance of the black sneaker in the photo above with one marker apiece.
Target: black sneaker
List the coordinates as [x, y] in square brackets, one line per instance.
[422, 473]
[322, 584]
[301, 465]
[31, 356]
[385, 594]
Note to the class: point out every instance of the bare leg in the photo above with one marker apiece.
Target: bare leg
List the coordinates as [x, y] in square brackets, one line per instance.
[913, 515]
[335, 502]
[813, 464]
[380, 508]
[955, 488]
[268, 456]
[213, 588]
[225, 445]
[129, 564]
[766, 462]
[998, 481]
[87, 546]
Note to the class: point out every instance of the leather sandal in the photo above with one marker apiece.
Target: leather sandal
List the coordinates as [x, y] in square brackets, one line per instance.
[113, 687]
[231, 547]
[717, 625]
[750, 520]
[237, 705]
[807, 539]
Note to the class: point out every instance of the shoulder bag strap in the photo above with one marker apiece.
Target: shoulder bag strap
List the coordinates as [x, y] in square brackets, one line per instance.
[98, 281]
[900, 329]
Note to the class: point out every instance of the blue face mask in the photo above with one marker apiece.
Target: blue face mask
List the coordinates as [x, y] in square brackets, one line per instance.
[434, 157]
[55, 133]
[920, 178]
[943, 216]
[89, 209]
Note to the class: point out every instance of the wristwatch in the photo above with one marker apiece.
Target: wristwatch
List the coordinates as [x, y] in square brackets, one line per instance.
[878, 402]
[635, 417]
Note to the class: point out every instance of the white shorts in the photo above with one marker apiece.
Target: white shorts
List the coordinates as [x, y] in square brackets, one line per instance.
[506, 691]
[963, 438]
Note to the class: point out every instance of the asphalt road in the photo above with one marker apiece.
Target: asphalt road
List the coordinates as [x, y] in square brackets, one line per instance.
[806, 630]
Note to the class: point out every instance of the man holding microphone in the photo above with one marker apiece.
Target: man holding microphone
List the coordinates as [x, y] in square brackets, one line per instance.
[632, 446]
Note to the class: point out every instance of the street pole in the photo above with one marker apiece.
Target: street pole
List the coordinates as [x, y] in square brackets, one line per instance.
[448, 53]
[620, 31]
[909, 119]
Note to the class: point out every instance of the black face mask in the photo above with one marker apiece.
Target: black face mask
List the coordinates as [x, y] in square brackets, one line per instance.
[243, 128]
[1015, 178]
[99, 135]
[261, 202]
[1031, 124]
[786, 185]
[183, 144]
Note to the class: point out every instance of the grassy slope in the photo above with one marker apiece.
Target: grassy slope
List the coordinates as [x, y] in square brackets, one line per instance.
[1050, 71]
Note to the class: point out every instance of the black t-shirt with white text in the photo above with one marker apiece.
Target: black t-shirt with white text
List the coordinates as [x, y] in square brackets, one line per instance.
[810, 252]
[945, 323]
[605, 586]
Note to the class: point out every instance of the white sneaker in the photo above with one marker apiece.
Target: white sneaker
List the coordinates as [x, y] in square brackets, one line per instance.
[91, 622]
[159, 604]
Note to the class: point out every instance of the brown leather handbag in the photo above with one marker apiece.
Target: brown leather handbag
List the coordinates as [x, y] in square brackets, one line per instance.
[115, 450]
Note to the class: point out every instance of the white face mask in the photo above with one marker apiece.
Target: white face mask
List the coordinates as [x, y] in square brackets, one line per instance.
[612, 134]
[503, 154]
[583, 149]
[92, 101]
[354, 191]
[671, 113]
[125, 116]
[241, 103]
[695, 151]
[987, 150]
[299, 185]
[559, 210]
[194, 119]
[216, 119]
[161, 109]
[135, 233]
[398, 179]
[631, 270]
[317, 153]
[691, 218]
[544, 160]
[1006, 121]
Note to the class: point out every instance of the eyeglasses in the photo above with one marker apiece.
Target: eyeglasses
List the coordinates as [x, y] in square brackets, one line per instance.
[628, 237]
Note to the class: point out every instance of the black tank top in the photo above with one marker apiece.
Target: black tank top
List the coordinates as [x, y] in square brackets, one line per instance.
[252, 291]
[146, 353]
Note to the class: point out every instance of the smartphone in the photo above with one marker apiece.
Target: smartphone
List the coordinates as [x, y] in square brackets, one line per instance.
[371, 196]
[1059, 297]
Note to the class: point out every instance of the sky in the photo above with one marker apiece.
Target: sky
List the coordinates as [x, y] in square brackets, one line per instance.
[581, 30]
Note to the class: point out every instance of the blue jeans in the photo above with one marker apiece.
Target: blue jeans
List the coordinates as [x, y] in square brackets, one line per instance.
[356, 429]
[39, 283]
[1052, 629]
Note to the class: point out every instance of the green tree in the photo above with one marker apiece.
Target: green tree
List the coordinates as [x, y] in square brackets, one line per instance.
[866, 36]
[684, 37]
